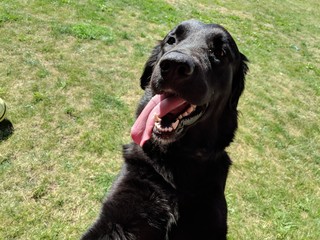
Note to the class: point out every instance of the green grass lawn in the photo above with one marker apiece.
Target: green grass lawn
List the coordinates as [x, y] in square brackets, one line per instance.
[69, 72]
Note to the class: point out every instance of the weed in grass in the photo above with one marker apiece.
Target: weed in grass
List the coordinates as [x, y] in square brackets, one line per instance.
[7, 16]
[38, 97]
[87, 31]
[102, 101]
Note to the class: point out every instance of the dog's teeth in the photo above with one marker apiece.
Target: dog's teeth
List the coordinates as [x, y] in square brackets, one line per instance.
[190, 110]
[175, 124]
[162, 129]
[185, 114]
[166, 129]
[156, 118]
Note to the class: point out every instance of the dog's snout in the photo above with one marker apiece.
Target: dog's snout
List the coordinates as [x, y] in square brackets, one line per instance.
[182, 68]
[176, 65]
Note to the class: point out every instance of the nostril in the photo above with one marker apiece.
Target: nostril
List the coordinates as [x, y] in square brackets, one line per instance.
[165, 66]
[178, 66]
[185, 69]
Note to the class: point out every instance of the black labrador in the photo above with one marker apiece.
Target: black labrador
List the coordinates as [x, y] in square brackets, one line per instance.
[172, 183]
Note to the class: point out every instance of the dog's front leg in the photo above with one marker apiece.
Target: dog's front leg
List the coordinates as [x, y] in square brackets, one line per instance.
[137, 208]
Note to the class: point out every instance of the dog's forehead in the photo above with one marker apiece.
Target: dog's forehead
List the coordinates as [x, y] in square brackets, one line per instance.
[191, 24]
[193, 28]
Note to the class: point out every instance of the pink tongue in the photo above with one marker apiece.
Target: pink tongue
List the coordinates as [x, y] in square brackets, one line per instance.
[159, 105]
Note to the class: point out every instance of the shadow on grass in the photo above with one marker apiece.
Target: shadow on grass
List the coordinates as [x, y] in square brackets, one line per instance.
[6, 129]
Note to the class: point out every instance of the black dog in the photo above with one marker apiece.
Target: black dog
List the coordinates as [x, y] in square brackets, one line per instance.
[172, 184]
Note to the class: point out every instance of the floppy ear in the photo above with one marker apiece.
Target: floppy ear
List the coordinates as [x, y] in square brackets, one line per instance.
[148, 67]
[238, 81]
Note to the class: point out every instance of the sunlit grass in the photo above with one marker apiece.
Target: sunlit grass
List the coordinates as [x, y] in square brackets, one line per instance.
[69, 72]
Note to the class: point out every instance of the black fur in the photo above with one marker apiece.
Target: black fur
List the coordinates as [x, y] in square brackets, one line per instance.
[175, 191]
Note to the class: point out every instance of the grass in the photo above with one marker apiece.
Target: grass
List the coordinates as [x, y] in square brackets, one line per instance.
[69, 72]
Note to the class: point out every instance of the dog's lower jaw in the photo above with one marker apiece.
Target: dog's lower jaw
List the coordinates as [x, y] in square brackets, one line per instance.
[164, 137]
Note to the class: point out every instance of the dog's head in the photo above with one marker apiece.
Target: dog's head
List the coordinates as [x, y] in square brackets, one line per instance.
[192, 77]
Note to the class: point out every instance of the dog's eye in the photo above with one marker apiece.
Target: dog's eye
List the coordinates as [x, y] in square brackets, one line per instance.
[217, 52]
[216, 55]
[222, 53]
[171, 40]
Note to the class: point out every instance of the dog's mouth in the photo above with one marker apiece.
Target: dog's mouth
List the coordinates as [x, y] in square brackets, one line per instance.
[167, 128]
[165, 118]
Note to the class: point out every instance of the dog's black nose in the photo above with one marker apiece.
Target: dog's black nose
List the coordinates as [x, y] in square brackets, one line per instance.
[176, 65]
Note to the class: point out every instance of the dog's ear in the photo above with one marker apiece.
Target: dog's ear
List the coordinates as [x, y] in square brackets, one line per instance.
[148, 67]
[239, 81]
